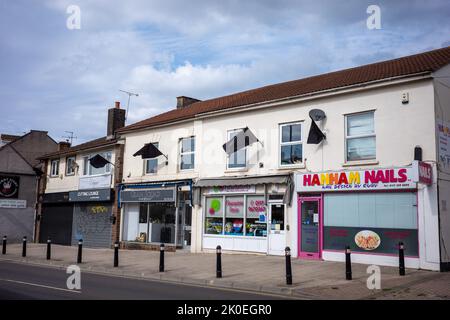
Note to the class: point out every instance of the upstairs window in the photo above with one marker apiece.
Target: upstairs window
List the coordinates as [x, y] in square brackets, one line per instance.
[54, 169]
[89, 170]
[237, 159]
[291, 146]
[70, 166]
[151, 165]
[360, 137]
[187, 153]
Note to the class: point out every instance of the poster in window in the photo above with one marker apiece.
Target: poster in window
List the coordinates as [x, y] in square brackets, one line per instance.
[9, 187]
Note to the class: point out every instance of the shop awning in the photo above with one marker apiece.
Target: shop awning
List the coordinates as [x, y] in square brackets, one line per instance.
[243, 181]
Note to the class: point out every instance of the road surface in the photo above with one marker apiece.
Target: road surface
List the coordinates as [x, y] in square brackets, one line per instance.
[21, 281]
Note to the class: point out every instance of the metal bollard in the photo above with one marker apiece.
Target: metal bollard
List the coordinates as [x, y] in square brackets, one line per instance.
[24, 247]
[219, 262]
[287, 252]
[401, 259]
[80, 251]
[116, 254]
[348, 264]
[4, 245]
[49, 248]
[161, 257]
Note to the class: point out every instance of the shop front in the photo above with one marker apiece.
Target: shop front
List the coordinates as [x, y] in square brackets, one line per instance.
[371, 211]
[244, 214]
[155, 213]
[56, 218]
[92, 217]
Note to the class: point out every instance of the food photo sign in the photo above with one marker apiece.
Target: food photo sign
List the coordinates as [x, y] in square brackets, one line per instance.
[376, 240]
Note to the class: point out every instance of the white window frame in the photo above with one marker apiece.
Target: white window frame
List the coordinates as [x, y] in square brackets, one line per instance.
[245, 167]
[72, 170]
[181, 154]
[155, 159]
[281, 144]
[54, 169]
[87, 166]
[347, 137]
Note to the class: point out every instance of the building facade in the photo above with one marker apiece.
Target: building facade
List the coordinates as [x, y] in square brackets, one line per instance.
[77, 198]
[19, 177]
[378, 178]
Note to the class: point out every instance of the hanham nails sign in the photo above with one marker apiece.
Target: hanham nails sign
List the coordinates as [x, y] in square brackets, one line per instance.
[371, 179]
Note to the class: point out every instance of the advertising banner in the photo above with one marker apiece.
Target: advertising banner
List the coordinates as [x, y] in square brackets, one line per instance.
[371, 240]
[13, 204]
[9, 187]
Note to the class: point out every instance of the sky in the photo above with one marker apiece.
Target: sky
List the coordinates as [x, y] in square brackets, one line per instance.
[59, 79]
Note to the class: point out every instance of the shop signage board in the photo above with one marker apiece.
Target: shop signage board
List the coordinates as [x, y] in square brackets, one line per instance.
[90, 195]
[9, 187]
[57, 197]
[423, 172]
[95, 182]
[359, 180]
[232, 189]
[13, 204]
[371, 240]
[443, 128]
[148, 195]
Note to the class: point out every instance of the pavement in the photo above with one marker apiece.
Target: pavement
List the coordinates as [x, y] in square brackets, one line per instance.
[248, 272]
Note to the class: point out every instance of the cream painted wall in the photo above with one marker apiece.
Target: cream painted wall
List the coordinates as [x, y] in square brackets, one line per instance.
[399, 128]
[64, 183]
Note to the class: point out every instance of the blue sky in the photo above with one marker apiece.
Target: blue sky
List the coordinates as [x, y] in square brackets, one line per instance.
[58, 80]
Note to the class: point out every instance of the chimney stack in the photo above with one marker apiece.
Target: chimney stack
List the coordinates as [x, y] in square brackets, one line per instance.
[116, 120]
[184, 101]
[63, 145]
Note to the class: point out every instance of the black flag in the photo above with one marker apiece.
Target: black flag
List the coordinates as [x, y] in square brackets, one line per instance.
[239, 141]
[98, 161]
[315, 136]
[148, 151]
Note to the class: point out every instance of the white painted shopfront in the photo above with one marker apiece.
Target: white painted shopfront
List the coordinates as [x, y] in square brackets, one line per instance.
[371, 211]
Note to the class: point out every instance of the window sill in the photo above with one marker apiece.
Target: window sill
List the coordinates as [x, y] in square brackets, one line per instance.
[360, 163]
[290, 167]
[228, 170]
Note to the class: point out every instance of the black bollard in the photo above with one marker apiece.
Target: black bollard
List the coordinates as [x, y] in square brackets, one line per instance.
[80, 251]
[49, 249]
[24, 247]
[4, 245]
[401, 259]
[161, 257]
[287, 252]
[348, 264]
[116, 254]
[219, 262]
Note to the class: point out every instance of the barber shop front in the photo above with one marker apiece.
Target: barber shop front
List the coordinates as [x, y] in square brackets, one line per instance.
[245, 214]
[155, 213]
[371, 211]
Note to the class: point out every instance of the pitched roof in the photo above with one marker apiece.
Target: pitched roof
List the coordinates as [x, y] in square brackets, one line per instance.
[419, 63]
[8, 137]
[97, 143]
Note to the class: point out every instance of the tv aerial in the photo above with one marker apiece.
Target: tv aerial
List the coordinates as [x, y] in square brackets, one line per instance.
[129, 96]
[70, 136]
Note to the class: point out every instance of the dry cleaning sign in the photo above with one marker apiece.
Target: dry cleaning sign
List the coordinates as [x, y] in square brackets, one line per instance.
[9, 187]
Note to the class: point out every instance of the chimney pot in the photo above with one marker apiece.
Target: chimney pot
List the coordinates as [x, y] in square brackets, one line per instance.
[117, 104]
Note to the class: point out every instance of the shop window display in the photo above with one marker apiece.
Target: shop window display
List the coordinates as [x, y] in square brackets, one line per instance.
[234, 216]
[256, 219]
[214, 216]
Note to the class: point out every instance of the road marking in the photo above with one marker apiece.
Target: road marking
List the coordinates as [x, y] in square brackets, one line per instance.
[40, 285]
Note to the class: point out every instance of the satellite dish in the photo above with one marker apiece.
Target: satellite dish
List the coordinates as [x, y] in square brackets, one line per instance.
[317, 114]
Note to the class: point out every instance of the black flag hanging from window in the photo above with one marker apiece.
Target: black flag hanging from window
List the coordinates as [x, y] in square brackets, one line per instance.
[98, 161]
[243, 139]
[148, 151]
[315, 135]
